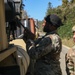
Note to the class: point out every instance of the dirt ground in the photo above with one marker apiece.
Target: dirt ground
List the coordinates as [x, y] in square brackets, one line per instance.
[68, 42]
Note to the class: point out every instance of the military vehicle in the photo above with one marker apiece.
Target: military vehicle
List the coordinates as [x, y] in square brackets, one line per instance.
[14, 59]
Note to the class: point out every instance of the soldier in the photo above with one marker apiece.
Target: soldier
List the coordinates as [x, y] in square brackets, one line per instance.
[70, 58]
[46, 50]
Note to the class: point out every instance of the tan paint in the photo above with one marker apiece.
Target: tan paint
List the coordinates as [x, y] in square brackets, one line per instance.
[6, 53]
[3, 36]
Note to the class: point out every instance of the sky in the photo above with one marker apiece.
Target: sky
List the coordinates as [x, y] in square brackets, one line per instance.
[37, 8]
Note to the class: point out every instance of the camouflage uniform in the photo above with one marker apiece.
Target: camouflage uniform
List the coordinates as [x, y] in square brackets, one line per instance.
[70, 61]
[46, 52]
[70, 57]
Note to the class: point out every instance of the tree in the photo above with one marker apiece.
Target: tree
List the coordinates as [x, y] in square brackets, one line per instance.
[65, 3]
[50, 9]
[71, 1]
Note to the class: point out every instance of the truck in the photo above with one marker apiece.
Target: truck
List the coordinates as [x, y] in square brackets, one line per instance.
[14, 59]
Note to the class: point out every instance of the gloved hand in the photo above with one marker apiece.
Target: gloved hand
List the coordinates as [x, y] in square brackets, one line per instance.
[28, 35]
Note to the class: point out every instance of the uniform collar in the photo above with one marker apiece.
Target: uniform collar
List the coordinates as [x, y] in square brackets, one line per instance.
[52, 32]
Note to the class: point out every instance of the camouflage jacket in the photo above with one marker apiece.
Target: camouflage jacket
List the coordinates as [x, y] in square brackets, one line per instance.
[70, 61]
[46, 50]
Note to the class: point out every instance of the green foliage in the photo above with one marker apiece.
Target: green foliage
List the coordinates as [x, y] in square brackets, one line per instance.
[64, 3]
[49, 9]
[65, 31]
[40, 25]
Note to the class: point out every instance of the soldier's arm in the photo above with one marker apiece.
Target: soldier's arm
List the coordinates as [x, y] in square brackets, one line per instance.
[69, 64]
[41, 49]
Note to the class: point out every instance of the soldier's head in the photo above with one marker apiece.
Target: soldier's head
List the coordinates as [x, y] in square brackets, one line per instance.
[51, 23]
[73, 30]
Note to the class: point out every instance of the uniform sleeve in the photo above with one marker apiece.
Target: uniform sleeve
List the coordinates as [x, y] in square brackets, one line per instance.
[69, 65]
[41, 49]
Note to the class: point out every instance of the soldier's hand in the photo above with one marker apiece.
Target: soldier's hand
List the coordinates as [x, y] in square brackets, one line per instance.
[28, 35]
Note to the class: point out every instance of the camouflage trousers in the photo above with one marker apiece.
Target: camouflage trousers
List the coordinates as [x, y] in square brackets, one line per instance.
[42, 68]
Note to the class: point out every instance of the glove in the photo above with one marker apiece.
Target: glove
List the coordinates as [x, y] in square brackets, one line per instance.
[28, 35]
